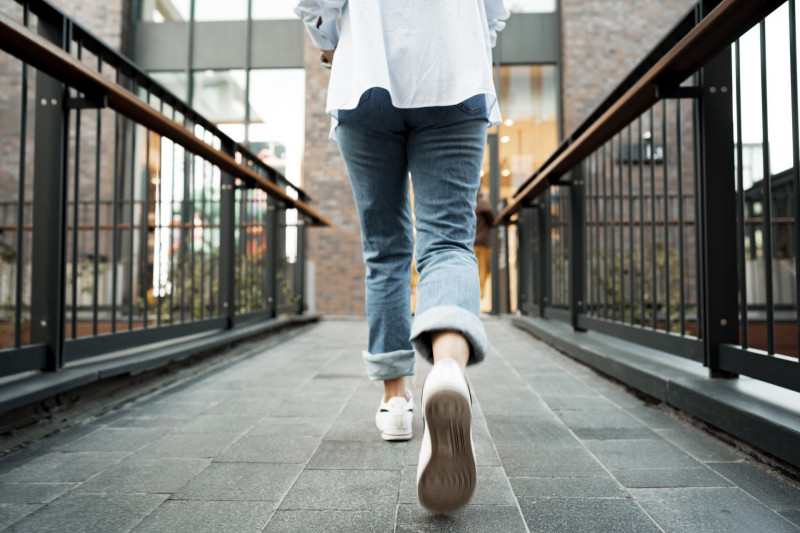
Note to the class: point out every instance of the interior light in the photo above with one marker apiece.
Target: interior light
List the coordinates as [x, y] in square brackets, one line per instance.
[505, 139]
[505, 173]
[509, 122]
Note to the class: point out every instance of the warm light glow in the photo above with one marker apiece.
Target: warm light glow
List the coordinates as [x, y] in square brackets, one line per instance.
[505, 172]
[509, 122]
[505, 139]
[483, 173]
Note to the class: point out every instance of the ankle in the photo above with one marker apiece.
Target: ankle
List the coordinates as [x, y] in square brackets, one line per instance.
[394, 387]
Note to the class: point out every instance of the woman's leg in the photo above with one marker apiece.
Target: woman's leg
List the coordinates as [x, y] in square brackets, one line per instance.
[373, 144]
[446, 149]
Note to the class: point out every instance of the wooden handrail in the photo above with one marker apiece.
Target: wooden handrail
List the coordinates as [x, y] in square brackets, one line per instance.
[50, 59]
[727, 22]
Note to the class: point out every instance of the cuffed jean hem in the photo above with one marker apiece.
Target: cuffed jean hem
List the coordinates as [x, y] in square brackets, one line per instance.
[452, 318]
[389, 365]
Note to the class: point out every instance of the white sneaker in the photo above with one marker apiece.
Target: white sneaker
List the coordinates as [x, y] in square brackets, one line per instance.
[394, 417]
[447, 473]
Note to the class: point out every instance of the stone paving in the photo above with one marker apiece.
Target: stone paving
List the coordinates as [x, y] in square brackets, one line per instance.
[285, 441]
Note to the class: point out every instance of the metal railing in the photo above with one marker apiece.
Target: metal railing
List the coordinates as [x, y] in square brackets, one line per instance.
[127, 218]
[661, 219]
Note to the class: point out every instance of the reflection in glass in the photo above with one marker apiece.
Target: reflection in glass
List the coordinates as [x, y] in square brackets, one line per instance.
[531, 6]
[529, 132]
[165, 10]
[219, 95]
[273, 9]
[216, 10]
[174, 82]
[277, 129]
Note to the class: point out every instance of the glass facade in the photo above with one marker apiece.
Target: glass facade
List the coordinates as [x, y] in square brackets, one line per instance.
[531, 6]
[213, 10]
[165, 10]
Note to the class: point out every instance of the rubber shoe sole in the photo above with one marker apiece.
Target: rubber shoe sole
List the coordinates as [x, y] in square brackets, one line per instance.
[448, 480]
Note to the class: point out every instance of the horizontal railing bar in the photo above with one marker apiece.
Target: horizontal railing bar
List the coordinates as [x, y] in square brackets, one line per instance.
[715, 32]
[43, 55]
[23, 359]
[684, 346]
[563, 315]
[775, 369]
[85, 347]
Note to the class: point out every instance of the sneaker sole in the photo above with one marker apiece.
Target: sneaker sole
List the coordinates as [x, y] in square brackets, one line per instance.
[389, 436]
[448, 481]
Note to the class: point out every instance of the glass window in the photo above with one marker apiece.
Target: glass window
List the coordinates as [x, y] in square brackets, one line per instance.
[531, 6]
[216, 10]
[165, 10]
[277, 119]
[274, 9]
[219, 95]
[528, 97]
[175, 82]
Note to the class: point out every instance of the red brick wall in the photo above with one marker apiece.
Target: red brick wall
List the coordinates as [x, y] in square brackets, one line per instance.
[602, 40]
[336, 251]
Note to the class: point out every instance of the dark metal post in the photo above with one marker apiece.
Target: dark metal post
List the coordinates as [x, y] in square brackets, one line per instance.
[227, 237]
[717, 203]
[577, 244]
[301, 265]
[273, 248]
[543, 251]
[494, 198]
[49, 208]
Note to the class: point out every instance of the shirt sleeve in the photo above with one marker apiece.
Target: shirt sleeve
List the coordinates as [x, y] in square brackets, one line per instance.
[496, 15]
[324, 34]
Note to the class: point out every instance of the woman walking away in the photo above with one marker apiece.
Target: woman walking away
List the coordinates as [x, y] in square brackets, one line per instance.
[411, 91]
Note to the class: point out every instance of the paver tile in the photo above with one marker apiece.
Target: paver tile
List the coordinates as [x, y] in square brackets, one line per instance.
[566, 487]
[670, 478]
[344, 490]
[578, 515]
[532, 461]
[61, 467]
[470, 519]
[331, 521]
[145, 475]
[32, 492]
[188, 445]
[640, 454]
[271, 449]
[712, 510]
[770, 490]
[90, 513]
[207, 517]
[10, 513]
[354, 455]
[240, 481]
[700, 446]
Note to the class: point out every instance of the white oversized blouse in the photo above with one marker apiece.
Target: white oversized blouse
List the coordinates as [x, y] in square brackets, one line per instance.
[424, 52]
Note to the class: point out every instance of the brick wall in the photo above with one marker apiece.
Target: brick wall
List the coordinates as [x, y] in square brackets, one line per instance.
[602, 40]
[336, 251]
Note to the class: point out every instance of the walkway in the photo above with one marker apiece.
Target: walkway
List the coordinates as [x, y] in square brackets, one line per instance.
[284, 441]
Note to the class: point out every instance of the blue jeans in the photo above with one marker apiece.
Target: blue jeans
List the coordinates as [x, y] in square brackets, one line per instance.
[443, 149]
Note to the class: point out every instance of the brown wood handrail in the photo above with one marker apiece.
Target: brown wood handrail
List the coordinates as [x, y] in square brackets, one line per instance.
[48, 58]
[727, 22]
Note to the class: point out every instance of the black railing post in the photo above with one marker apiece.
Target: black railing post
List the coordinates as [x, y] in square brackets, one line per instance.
[273, 248]
[494, 198]
[50, 206]
[543, 251]
[227, 244]
[301, 264]
[717, 203]
[577, 244]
